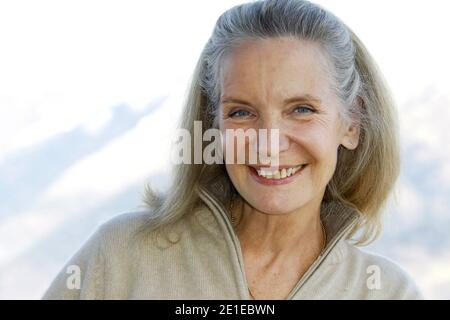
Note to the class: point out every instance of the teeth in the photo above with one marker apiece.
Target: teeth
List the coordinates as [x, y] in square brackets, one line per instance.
[278, 174]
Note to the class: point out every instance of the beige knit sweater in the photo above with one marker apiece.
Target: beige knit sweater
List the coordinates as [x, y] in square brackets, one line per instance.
[207, 263]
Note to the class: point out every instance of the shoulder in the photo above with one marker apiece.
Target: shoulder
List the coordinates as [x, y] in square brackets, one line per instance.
[125, 224]
[84, 276]
[385, 279]
[121, 230]
[133, 232]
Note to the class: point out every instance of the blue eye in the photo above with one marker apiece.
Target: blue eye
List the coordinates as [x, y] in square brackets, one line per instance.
[239, 114]
[303, 110]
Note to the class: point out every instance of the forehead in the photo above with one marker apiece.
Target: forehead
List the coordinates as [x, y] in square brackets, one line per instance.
[274, 68]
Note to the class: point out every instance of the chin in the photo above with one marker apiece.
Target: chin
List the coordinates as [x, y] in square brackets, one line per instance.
[276, 205]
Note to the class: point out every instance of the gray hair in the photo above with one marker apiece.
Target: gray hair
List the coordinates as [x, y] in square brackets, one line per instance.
[364, 177]
[284, 18]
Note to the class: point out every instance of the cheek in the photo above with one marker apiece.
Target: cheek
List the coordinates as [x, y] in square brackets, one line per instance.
[237, 174]
[240, 143]
[319, 143]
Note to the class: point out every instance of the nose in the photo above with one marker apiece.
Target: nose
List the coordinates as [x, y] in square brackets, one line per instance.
[272, 140]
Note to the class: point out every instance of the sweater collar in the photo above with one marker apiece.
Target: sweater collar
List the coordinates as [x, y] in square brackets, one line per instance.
[335, 216]
[338, 220]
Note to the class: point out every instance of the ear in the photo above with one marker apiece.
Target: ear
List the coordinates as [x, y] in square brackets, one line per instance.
[350, 138]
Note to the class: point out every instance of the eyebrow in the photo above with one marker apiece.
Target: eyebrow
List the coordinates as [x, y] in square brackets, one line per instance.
[305, 97]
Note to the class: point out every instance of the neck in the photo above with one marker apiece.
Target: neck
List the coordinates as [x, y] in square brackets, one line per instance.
[279, 235]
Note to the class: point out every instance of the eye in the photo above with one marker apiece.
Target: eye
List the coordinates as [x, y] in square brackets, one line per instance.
[239, 114]
[303, 110]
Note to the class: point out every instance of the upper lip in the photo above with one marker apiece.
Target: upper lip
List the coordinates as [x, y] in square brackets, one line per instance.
[280, 167]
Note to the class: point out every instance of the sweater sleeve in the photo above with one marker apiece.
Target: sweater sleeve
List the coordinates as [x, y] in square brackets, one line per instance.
[83, 276]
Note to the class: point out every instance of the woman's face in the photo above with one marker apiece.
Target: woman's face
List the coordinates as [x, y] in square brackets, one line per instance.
[285, 84]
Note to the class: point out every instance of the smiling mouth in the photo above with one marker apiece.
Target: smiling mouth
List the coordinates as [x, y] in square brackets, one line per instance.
[280, 175]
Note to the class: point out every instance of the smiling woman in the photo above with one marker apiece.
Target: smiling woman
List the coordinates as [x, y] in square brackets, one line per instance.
[252, 230]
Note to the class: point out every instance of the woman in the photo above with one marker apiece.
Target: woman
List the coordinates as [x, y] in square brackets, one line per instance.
[258, 231]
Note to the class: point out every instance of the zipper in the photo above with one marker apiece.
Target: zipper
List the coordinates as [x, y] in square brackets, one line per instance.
[320, 259]
[237, 247]
[234, 239]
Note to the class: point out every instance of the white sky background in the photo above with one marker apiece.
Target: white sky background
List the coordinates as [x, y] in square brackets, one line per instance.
[66, 65]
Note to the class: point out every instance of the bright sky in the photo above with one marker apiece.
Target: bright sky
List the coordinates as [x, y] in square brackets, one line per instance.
[66, 63]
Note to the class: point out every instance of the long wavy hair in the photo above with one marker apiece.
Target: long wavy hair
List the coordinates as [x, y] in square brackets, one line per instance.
[364, 177]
